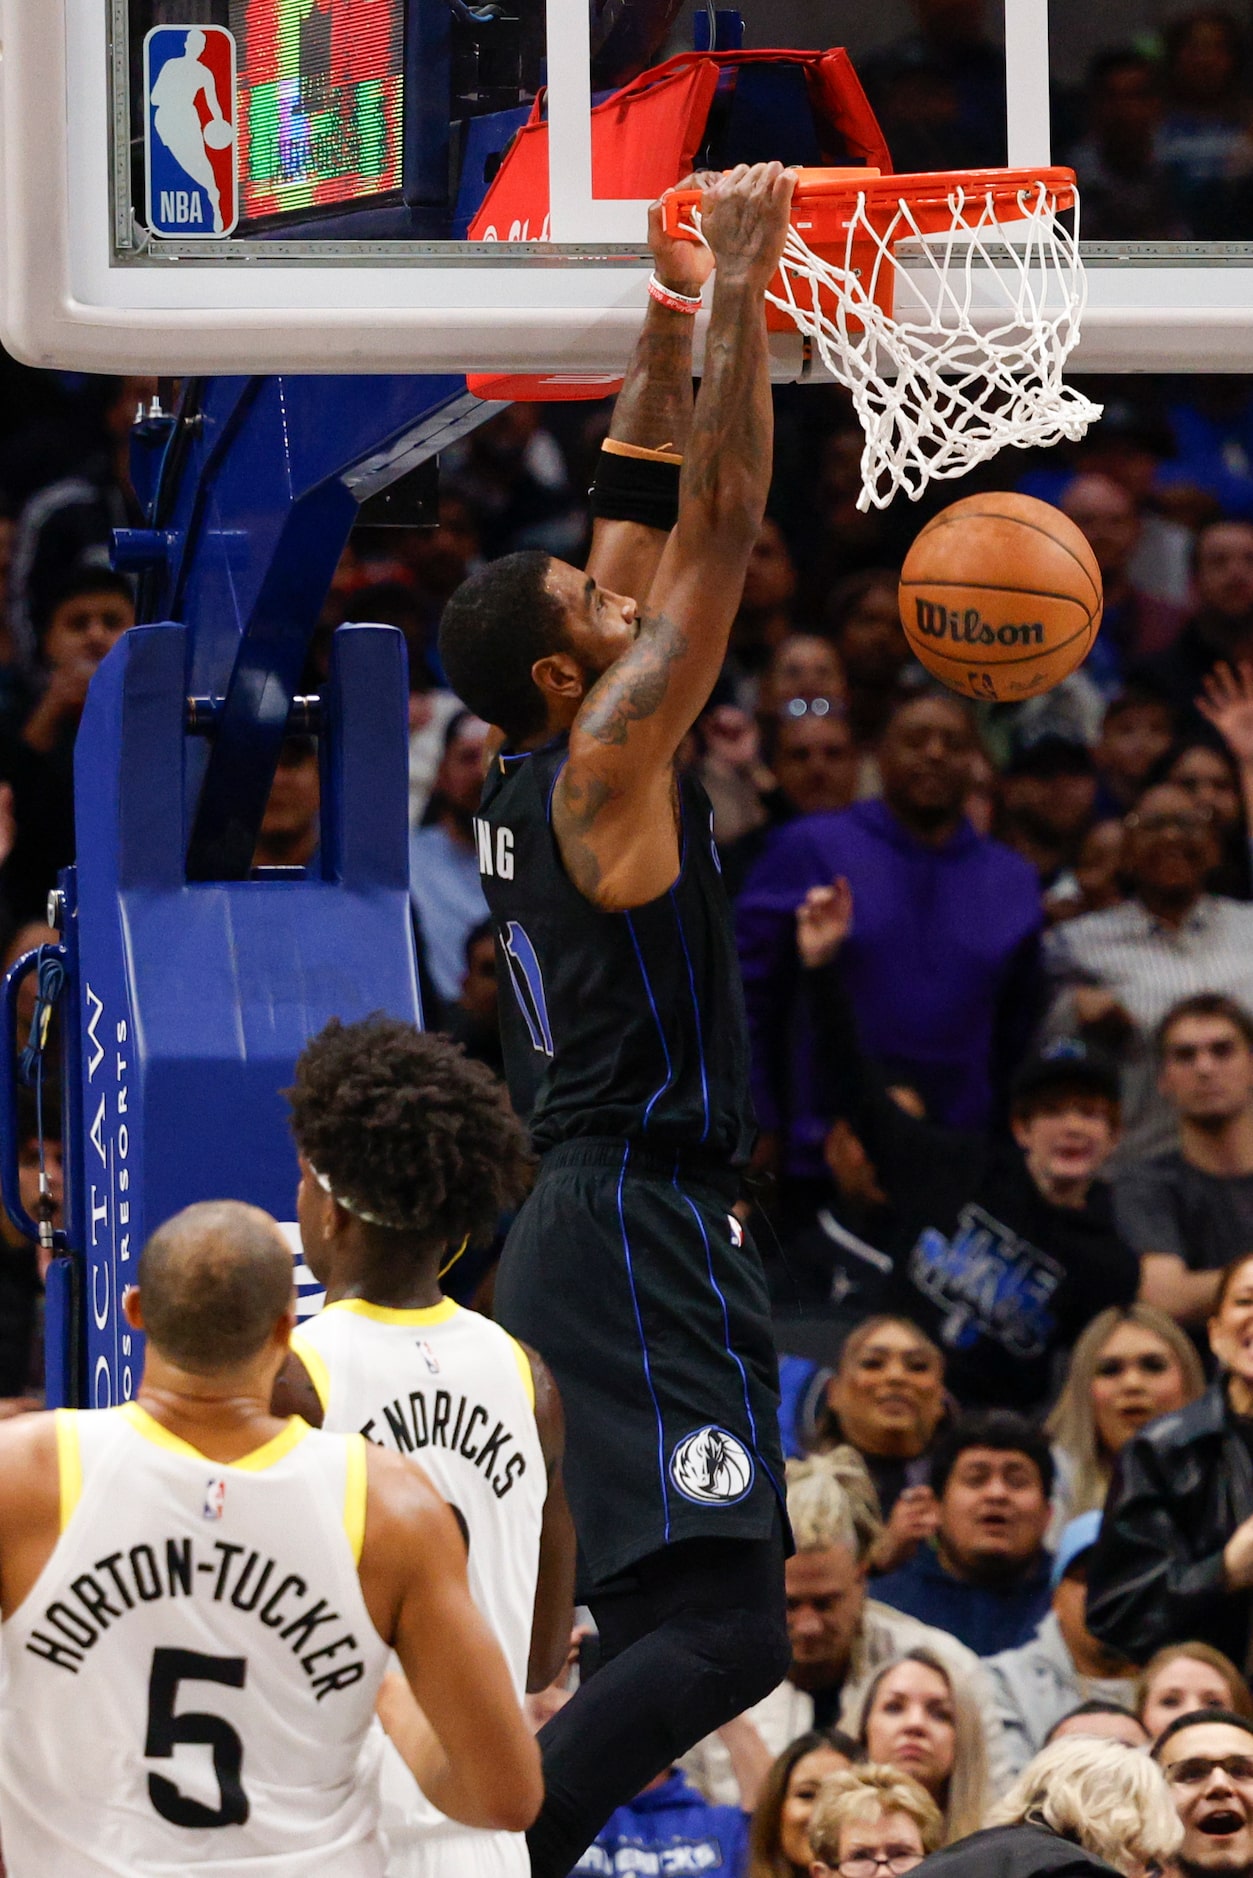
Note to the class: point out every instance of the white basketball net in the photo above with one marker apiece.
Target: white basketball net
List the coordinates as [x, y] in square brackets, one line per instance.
[971, 358]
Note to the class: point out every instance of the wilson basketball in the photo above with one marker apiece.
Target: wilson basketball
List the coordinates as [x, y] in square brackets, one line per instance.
[1000, 597]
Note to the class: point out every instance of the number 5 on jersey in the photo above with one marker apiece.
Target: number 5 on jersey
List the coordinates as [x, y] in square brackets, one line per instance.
[168, 1730]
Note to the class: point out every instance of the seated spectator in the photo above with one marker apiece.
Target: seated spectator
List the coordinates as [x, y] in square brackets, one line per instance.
[1175, 1555]
[984, 1578]
[1136, 732]
[1207, 768]
[474, 1020]
[886, 1400]
[1041, 1681]
[872, 1820]
[803, 667]
[1220, 626]
[1101, 1721]
[1002, 1251]
[1096, 881]
[918, 1718]
[291, 829]
[812, 765]
[1118, 973]
[841, 1638]
[1048, 796]
[1185, 1677]
[1203, 141]
[926, 886]
[1080, 1808]
[85, 618]
[862, 617]
[667, 1822]
[444, 861]
[1131, 1365]
[1134, 624]
[1207, 1759]
[511, 474]
[1189, 1211]
[779, 1845]
[1126, 191]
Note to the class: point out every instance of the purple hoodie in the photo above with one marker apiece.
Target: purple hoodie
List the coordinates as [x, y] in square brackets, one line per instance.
[940, 965]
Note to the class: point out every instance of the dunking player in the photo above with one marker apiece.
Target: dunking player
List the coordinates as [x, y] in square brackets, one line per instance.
[199, 1598]
[625, 1267]
[407, 1149]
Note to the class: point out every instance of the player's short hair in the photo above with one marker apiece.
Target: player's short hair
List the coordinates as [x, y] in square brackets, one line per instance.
[1205, 1004]
[404, 1126]
[214, 1281]
[861, 1795]
[495, 626]
[1002, 1430]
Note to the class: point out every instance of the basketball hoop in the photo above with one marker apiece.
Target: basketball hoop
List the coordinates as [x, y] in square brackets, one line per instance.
[947, 304]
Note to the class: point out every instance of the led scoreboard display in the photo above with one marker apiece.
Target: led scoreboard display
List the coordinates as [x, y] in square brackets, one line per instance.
[319, 92]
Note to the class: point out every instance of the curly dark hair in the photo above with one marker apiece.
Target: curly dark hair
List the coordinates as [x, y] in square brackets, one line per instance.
[404, 1126]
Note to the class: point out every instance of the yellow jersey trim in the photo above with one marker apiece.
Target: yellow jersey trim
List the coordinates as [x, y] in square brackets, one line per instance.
[265, 1456]
[315, 1366]
[69, 1463]
[440, 1313]
[355, 1496]
[527, 1374]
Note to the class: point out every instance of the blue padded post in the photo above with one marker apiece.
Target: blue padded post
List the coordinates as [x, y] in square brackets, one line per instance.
[195, 998]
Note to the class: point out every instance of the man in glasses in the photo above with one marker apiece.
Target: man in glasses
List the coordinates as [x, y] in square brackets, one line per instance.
[1189, 1211]
[1119, 972]
[1207, 1759]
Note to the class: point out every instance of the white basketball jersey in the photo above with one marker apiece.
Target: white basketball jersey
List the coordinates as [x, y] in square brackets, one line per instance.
[190, 1681]
[454, 1391]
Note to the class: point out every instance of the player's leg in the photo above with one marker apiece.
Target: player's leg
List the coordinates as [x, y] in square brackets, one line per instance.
[689, 1638]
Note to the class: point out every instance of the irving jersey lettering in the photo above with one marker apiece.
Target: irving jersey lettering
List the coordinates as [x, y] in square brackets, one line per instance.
[615, 1024]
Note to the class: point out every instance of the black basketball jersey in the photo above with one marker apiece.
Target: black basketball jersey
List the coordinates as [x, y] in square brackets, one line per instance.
[627, 1024]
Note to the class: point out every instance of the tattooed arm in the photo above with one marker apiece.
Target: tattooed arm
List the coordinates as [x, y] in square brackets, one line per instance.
[614, 806]
[654, 408]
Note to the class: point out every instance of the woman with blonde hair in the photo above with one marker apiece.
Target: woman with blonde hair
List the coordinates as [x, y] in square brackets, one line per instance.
[920, 1718]
[1079, 1808]
[1185, 1677]
[1130, 1365]
[873, 1820]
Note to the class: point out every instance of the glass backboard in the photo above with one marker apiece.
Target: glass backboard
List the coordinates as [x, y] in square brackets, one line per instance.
[308, 185]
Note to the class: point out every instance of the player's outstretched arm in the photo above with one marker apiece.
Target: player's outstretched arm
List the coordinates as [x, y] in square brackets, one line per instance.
[553, 1615]
[472, 1753]
[30, 1504]
[652, 417]
[613, 807]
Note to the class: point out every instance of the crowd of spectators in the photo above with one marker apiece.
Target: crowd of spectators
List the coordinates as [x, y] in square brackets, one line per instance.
[998, 965]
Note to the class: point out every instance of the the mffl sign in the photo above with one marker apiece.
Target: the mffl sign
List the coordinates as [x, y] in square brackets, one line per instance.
[190, 137]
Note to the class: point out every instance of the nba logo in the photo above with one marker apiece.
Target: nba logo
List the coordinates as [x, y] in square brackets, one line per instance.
[214, 1499]
[428, 1356]
[190, 142]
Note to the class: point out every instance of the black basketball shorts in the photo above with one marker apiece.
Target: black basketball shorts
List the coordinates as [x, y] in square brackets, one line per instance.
[646, 1299]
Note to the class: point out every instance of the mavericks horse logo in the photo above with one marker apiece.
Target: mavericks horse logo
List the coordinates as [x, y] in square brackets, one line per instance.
[712, 1467]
